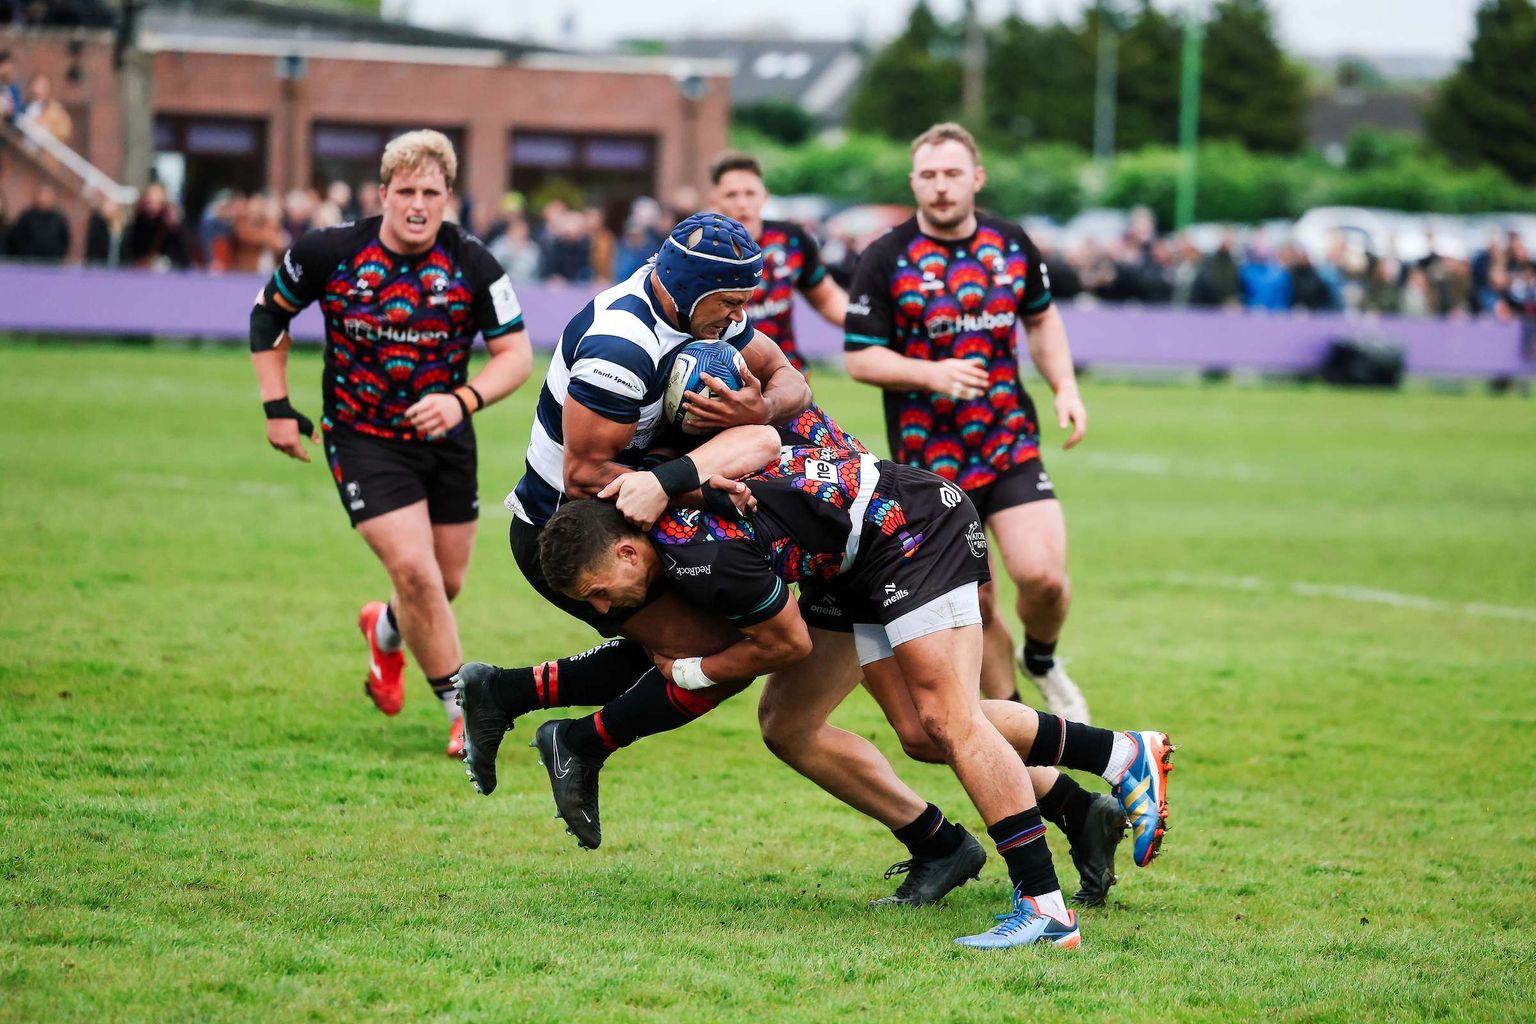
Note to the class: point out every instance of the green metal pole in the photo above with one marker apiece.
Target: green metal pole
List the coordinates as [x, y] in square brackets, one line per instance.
[1189, 118]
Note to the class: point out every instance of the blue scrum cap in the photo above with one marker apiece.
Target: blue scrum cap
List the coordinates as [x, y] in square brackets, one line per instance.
[704, 254]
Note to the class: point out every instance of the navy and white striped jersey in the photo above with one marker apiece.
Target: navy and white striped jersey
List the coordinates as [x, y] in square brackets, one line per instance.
[613, 358]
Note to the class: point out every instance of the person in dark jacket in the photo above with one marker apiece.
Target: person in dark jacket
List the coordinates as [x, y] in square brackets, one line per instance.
[41, 232]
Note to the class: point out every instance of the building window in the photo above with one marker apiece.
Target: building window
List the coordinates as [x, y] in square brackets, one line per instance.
[351, 152]
[605, 171]
[197, 156]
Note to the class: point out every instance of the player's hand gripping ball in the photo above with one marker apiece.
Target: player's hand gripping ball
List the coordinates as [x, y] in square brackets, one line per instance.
[715, 358]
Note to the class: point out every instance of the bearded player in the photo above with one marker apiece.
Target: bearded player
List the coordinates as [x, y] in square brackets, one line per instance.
[403, 295]
[934, 321]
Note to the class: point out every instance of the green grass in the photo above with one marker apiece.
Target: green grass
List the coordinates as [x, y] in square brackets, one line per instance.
[204, 819]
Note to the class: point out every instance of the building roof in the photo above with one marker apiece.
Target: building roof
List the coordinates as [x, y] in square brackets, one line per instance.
[816, 75]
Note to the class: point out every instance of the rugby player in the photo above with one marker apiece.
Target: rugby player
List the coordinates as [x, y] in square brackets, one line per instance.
[903, 552]
[791, 260]
[937, 301]
[403, 295]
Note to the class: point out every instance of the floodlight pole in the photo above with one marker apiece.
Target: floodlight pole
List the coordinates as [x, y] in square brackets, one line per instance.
[1106, 82]
[1189, 115]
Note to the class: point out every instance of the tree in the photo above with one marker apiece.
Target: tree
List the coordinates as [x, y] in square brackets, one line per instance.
[1248, 90]
[1039, 83]
[783, 121]
[1486, 110]
[911, 83]
[1151, 49]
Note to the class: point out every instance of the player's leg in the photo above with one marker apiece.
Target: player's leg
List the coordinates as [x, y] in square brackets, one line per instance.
[997, 671]
[1032, 541]
[452, 544]
[404, 543]
[938, 664]
[793, 712]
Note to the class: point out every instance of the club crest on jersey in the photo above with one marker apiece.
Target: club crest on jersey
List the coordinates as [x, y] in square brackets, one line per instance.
[950, 495]
[977, 539]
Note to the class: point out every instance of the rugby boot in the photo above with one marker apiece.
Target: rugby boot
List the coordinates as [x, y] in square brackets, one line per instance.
[1061, 695]
[574, 781]
[1026, 925]
[484, 723]
[1143, 793]
[1093, 850]
[930, 879]
[456, 738]
[386, 669]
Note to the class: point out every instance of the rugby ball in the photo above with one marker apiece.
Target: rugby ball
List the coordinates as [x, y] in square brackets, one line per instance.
[716, 358]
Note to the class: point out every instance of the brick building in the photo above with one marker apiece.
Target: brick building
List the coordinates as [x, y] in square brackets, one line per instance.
[257, 96]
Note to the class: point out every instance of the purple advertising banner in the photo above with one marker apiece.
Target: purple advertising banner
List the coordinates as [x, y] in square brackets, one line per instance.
[73, 300]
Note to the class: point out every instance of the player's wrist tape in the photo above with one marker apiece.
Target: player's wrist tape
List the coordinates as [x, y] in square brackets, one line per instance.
[280, 409]
[463, 409]
[688, 673]
[678, 476]
[479, 398]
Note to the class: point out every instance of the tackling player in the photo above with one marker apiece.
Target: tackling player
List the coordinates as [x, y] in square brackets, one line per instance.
[937, 301]
[403, 295]
[791, 260]
[902, 551]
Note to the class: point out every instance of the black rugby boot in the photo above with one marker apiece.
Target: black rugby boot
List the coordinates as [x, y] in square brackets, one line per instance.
[573, 779]
[485, 722]
[931, 879]
[1093, 850]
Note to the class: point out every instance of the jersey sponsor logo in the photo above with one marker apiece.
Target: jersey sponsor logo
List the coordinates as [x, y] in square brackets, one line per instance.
[294, 270]
[676, 568]
[950, 495]
[944, 326]
[976, 537]
[892, 595]
[859, 306]
[1045, 275]
[358, 329]
[504, 300]
[769, 308]
[627, 383]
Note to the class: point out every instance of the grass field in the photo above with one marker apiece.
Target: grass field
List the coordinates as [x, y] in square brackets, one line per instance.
[1327, 599]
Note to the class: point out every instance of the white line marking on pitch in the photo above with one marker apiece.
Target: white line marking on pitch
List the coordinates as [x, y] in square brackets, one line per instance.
[1159, 465]
[1344, 592]
[182, 483]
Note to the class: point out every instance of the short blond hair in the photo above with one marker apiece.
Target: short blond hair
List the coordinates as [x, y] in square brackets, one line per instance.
[413, 150]
[947, 131]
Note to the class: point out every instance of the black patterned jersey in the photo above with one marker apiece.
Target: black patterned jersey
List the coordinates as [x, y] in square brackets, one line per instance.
[397, 327]
[812, 504]
[927, 298]
[790, 261]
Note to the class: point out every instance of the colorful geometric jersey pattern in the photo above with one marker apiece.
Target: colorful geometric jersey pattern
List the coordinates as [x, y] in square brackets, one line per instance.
[800, 532]
[930, 299]
[790, 261]
[397, 327]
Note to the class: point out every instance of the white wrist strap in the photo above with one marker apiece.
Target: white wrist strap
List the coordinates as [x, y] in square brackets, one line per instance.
[689, 674]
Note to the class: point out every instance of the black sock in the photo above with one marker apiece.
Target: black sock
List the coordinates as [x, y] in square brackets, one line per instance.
[1066, 805]
[1020, 839]
[1085, 748]
[1014, 696]
[441, 685]
[389, 613]
[929, 836]
[650, 706]
[1039, 656]
[589, 679]
[1050, 734]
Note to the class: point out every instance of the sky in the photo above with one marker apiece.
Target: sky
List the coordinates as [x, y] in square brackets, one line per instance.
[1306, 27]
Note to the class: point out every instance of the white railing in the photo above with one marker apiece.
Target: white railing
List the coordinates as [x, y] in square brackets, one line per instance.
[92, 178]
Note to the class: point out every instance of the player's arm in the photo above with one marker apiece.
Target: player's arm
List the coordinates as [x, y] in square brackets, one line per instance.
[870, 328]
[1046, 335]
[734, 452]
[592, 442]
[829, 299]
[768, 646]
[772, 391]
[297, 282]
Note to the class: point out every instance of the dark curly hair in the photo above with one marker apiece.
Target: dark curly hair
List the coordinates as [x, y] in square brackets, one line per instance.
[578, 537]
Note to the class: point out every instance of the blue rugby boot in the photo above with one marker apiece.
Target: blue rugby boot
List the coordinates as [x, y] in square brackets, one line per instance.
[1026, 925]
[1143, 792]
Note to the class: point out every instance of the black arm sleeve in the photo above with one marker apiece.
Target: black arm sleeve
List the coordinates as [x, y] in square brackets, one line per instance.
[298, 280]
